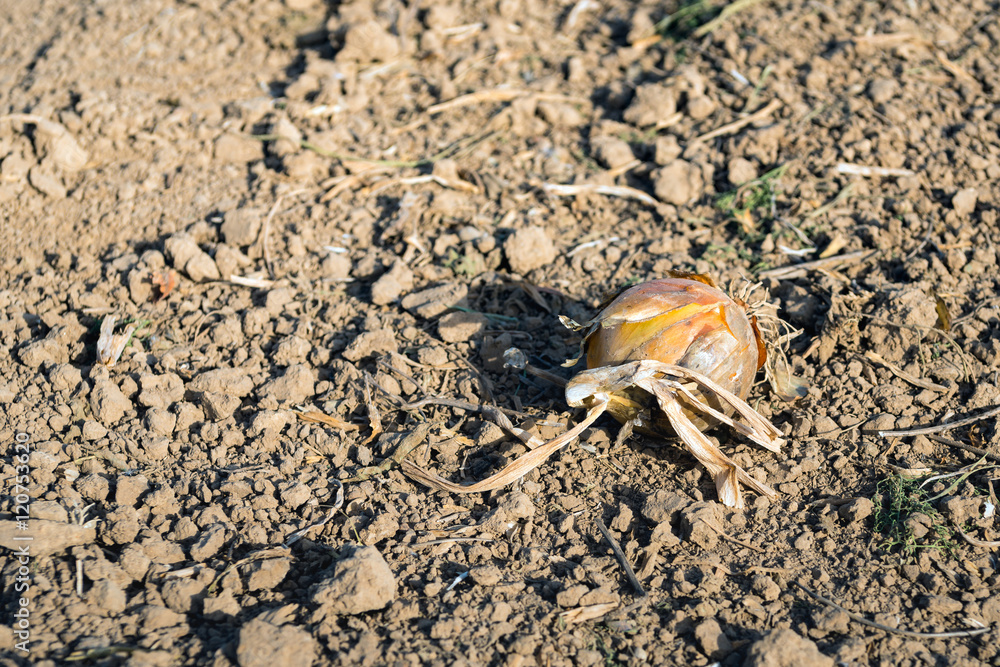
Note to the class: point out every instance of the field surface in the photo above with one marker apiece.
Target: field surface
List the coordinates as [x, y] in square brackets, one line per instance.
[325, 224]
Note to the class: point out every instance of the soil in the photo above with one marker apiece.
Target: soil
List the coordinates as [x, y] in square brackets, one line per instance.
[344, 245]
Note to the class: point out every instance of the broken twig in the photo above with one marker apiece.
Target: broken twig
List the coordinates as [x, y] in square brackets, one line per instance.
[862, 170]
[738, 125]
[620, 555]
[338, 502]
[410, 442]
[596, 188]
[885, 628]
[937, 428]
[875, 357]
[801, 270]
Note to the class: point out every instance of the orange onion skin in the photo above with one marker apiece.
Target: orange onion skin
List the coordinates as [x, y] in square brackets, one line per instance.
[682, 322]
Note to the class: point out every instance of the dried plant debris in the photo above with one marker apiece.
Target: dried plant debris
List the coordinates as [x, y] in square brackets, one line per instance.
[111, 345]
[673, 356]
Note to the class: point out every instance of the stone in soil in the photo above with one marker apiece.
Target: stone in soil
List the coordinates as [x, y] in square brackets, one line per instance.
[460, 326]
[361, 581]
[433, 301]
[45, 182]
[664, 506]
[678, 182]
[370, 343]
[785, 648]
[513, 508]
[337, 266]
[230, 381]
[652, 103]
[129, 488]
[209, 543]
[697, 521]
[47, 350]
[712, 641]
[741, 170]
[222, 607]
[237, 149]
[296, 385]
[267, 573]
[396, 281]
[262, 644]
[107, 596]
[120, 526]
[611, 151]
[964, 202]
[528, 249]
[47, 537]
[108, 403]
[367, 41]
[160, 391]
[218, 406]
[857, 510]
[186, 256]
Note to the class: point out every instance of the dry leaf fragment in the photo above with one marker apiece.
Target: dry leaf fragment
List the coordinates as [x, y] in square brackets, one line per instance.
[317, 417]
[164, 281]
[745, 218]
[111, 345]
[944, 317]
[588, 613]
[535, 294]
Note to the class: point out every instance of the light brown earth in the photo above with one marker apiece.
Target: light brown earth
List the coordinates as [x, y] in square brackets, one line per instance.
[163, 489]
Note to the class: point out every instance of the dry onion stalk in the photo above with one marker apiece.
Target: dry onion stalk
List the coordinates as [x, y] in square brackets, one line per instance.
[675, 357]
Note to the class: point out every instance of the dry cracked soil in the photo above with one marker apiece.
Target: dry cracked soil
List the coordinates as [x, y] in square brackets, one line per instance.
[326, 218]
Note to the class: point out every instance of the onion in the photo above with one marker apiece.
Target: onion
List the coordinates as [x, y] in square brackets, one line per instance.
[672, 356]
[679, 321]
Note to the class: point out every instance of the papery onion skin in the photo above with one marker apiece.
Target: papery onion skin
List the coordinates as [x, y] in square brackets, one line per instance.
[676, 321]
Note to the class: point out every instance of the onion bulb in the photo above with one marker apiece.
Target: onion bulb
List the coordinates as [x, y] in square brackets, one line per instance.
[679, 321]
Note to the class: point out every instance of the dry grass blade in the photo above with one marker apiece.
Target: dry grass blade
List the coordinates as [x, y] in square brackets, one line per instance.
[588, 613]
[969, 448]
[803, 269]
[927, 430]
[317, 417]
[246, 281]
[885, 628]
[499, 95]
[976, 542]
[597, 188]
[338, 502]
[954, 69]
[738, 125]
[454, 184]
[621, 557]
[500, 419]
[863, 170]
[374, 416]
[410, 441]
[533, 292]
[727, 11]
[877, 358]
[514, 470]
